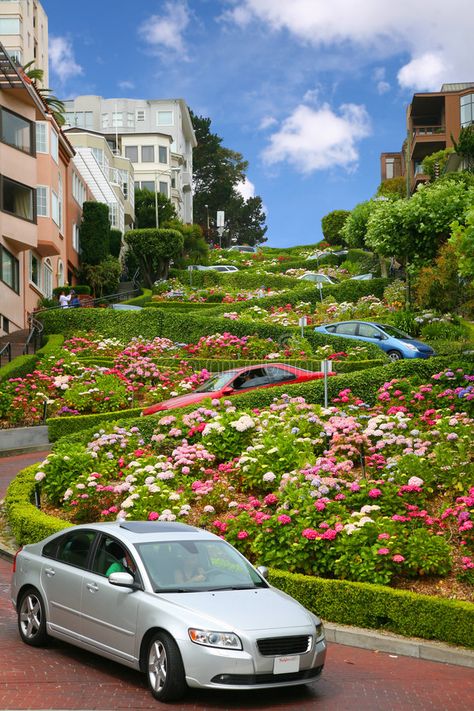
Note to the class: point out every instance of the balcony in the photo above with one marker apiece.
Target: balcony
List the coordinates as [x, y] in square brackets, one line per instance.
[427, 139]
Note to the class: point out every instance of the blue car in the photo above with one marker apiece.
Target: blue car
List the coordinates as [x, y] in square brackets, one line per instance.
[394, 342]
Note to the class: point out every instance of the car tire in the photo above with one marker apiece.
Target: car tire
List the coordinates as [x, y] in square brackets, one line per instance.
[32, 618]
[165, 670]
[394, 355]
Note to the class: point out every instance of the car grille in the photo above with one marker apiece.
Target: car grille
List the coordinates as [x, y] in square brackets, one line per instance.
[254, 679]
[281, 646]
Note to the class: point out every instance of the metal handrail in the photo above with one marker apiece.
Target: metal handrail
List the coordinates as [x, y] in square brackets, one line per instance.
[111, 298]
[7, 348]
[34, 335]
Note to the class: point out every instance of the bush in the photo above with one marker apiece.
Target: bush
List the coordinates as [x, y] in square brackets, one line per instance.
[27, 523]
[22, 365]
[444, 331]
[64, 426]
[380, 607]
[79, 289]
[144, 299]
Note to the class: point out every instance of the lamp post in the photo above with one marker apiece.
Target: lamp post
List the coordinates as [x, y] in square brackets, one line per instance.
[207, 219]
[156, 202]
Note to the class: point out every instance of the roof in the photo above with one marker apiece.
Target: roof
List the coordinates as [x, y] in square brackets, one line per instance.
[457, 87]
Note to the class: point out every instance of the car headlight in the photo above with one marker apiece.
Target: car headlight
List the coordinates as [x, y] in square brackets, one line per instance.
[319, 631]
[411, 347]
[208, 638]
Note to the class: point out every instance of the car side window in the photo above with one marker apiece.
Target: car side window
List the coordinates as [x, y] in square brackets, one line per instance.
[346, 329]
[368, 331]
[279, 375]
[74, 548]
[112, 557]
[251, 379]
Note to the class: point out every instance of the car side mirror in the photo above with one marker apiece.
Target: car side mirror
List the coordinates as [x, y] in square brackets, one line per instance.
[228, 390]
[124, 580]
[263, 570]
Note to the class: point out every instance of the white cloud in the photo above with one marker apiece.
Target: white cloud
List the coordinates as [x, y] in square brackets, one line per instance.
[246, 188]
[61, 57]
[165, 32]
[267, 122]
[319, 139]
[439, 46]
[383, 87]
[126, 85]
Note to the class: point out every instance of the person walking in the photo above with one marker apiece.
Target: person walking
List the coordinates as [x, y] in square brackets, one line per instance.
[64, 299]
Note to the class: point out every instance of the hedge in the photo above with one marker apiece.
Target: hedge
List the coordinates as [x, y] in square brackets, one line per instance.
[24, 364]
[171, 324]
[142, 300]
[339, 601]
[234, 280]
[381, 607]
[64, 426]
[28, 524]
[219, 365]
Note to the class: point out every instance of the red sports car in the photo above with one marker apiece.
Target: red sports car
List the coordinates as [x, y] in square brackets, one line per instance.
[239, 380]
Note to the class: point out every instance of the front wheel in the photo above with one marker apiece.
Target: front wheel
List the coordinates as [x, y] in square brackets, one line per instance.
[394, 355]
[165, 668]
[32, 619]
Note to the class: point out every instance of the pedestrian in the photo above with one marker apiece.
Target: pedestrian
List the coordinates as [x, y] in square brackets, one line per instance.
[75, 300]
[64, 299]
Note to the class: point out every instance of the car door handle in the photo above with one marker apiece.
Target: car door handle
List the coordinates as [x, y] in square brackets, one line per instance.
[93, 587]
[49, 572]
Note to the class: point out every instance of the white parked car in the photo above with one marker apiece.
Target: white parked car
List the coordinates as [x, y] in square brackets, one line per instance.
[243, 248]
[319, 278]
[171, 600]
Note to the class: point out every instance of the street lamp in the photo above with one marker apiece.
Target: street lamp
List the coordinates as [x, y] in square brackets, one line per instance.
[207, 218]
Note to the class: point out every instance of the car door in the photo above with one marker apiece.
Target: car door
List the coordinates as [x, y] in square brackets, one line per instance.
[65, 561]
[109, 613]
[278, 376]
[348, 329]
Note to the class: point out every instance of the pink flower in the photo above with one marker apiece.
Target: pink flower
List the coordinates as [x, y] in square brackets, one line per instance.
[397, 558]
[382, 536]
[152, 516]
[383, 551]
[284, 519]
[242, 534]
[309, 533]
[375, 493]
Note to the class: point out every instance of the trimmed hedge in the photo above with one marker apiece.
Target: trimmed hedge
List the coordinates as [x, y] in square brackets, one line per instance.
[218, 365]
[28, 524]
[381, 607]
[242, 279]
[142, 300]
[64, 426]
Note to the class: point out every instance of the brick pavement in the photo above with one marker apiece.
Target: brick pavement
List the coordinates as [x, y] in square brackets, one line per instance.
[64, 677]
[10, 466]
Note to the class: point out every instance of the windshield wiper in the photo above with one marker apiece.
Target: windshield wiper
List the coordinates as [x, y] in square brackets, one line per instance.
[175, 590]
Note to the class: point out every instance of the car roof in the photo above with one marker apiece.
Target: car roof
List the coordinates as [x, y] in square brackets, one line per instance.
[134, 532]
[339, 323]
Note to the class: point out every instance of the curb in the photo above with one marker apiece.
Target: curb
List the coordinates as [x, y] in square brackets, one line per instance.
[375, 640]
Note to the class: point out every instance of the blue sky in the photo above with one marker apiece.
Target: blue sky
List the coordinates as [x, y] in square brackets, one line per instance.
[310, 91]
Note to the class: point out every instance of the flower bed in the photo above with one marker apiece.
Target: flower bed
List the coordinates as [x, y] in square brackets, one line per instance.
[366, 494]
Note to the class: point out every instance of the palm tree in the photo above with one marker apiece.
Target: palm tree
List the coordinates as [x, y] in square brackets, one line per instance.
[53, 104]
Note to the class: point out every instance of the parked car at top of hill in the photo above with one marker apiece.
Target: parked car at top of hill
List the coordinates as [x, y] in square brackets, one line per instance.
[213, 267]
[319, 278]
[394, 342]
[173, 601]
[237, 381]
[243, 248]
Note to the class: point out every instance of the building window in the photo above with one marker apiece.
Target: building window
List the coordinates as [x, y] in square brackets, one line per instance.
[164, 188]
[60, 203]
[163, 154]
[140, 115]
[35, 270]
[9, 269]
[60, 274]
[117, 120]
[148, 154]
[389, 168]
[78, 189]
[148, 185]
[467, 110]
[41, 137]
[55, 207]
[54, 145]
[105, 120]
[98, 154]
[16, 131]
[131, 152]
[113, 214]
[10, 26]
[164, 118]
[47, 279]
[75, 238]
[17, 199]
[131, 120]
[15, 55]
[42, 201]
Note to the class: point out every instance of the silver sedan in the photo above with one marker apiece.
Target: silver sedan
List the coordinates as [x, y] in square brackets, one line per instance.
[171, 600]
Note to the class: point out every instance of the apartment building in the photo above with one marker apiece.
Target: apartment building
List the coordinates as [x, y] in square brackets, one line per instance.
[24, 33]
[433, 120]
[110, 177]
[156, 135]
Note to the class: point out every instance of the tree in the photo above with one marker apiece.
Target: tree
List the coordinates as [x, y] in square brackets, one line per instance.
[217, 171]
[332, 224]
[392, 187]
[94, 233]
[437, 285]
[53, 104]
[145, 209]
[434, 164]
[104, 278]
[195, 247]
[354, 229]
[464, 147]
[115, 242]
[462, 240]
[154, 249]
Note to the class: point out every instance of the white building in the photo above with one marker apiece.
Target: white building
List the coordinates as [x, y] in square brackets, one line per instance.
[24, 33]
[156, 135]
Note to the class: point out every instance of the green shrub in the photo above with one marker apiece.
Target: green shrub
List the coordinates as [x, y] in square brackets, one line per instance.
[380, 607]
[78, 288]
[64, 426]
[444, 331]
[144, 299]
[22, 365]
[27, 523]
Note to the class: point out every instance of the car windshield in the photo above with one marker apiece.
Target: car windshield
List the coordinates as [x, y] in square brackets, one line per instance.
[197, 566]
[216, 382]
[395, 332]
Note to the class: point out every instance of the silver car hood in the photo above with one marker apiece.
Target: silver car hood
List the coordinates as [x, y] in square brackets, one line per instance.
[260, 608]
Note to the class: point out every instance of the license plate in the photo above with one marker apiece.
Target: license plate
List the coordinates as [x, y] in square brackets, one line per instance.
[286, 665]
